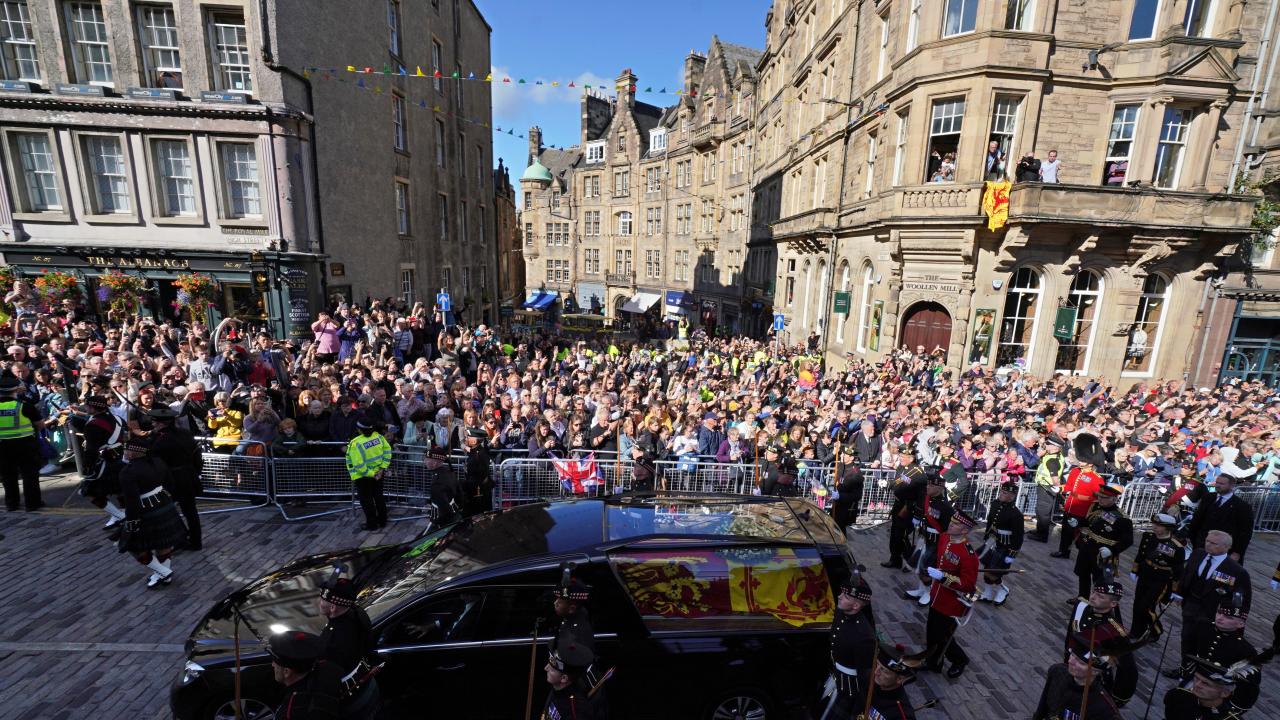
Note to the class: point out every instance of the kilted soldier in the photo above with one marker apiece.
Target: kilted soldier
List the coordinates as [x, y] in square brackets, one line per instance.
[900, 512]
[849, 486]
[152, 526]
[1105, 533]
[1095, 626]
[572, 622]
[1222, 643]
[100, 427]
[349, 647]
[368, 457]
[954, 581]
[1156, 570]
[571, 696]
[103, 482]
[1208, 696]
[1079, 489]
[888, 695]
[853, 640]
[953, 473]
[1067, 682]
[1053, 465]
[178, 449]
[310, 686]
[930, 515]
[1003, 541]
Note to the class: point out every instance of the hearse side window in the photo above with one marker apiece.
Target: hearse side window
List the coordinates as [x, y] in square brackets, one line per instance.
[447, 619]
[742, 587]
[511, 612]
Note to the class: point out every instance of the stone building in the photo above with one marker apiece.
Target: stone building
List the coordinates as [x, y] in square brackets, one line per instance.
[162, 137]
[1102, 272]
[647, 214]
[510, 248]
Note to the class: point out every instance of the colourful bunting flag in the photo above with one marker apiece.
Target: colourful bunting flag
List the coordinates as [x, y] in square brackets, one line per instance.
[648, 89]
[455, 75]
[360, 82]
[511, 132]
[435, 109]
[555, 83]
[570, 83]
[351, 68]
[437, 74]
[522, 82]
[419, 72]
[488, 78]
[663, 91]
[506, 80]
[537, 82]
[368, 70]
[386, 69]
[471, 76]
[422, 104]
[403, 71]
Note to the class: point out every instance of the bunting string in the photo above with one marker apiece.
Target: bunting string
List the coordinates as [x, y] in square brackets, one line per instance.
[488, 77]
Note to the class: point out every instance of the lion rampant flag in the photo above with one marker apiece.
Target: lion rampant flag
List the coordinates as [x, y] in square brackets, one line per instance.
[995, 203]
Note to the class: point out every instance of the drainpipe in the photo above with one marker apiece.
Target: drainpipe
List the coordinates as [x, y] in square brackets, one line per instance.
[1258, 72]
[1269, 74]
[269, 60]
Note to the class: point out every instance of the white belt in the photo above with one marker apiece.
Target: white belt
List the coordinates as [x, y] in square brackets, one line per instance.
[846, 670]
[931, 530]
[1004, 532]
[151, 493]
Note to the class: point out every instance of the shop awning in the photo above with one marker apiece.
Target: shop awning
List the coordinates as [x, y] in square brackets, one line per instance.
[641, 302]
[540, 299]
[678, 301]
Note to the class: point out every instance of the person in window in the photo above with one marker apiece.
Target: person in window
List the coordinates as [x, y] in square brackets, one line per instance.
[935, 162]
[1137, 346]
[1028, 168]
[1050, 168]
[995, 161]
[946, 171]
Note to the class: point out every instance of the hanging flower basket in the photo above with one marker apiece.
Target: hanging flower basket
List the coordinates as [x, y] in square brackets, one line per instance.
[8, 275]
[196, 294]
[122, 293]
[54, 287]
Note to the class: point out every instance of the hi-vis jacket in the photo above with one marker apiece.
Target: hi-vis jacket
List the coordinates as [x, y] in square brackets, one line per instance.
[367, 455]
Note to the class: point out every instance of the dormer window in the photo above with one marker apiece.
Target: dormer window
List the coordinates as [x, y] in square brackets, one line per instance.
[595, 152]
[622, 143]
[658, 140]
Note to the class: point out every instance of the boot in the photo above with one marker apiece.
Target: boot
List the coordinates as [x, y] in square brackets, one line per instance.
[986, 594]
[1002, 592]
[115, 513]
[162, 575]
[925, 599]
[921, 589]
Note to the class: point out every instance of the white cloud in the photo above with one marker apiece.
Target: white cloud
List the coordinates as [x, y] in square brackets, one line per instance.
[512, 98]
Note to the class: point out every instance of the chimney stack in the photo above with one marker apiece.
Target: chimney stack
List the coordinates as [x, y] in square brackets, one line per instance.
[535, 143]
[626, 85]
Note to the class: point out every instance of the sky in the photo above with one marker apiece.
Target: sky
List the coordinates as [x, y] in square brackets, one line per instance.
[591, 41]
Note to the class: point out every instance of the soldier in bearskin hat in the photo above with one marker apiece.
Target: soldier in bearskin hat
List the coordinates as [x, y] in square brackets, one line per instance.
[153, 526]
[349, 646]
[1078, 491]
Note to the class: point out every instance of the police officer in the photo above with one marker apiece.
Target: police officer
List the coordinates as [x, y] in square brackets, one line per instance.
[310, 687]
[178, 449]
[368, 457]
[1222, 642]
[1156, 570]
[348, 646]
[888, 696]
[19, 452]
[1003, 541]
[1066, 682]
[1207, 697]
[1105, 534]
[853, 640]
[1095, 625]
[100, 427]
[931, 513]
[571, 697]
[1048, 484]
[900, 513]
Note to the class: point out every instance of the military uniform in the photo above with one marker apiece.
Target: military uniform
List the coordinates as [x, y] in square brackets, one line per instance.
[1181, 704]
[1105, 534]
[1079, 489]
[949, 601]
[1204, 586]
[1004, 537]
[576, 625]
[890, 703]
[152, 524]
[178, 449]
[313, 696]
[100, 429]
[349, 650]
[853, 642]
[1104, 631]
[1225, 649]
[1157, 567]
[930, 516]
[900, 514]
[1062, 697]
[575, 700]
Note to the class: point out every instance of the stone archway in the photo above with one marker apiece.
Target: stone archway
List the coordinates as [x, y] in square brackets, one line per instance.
[926, 324]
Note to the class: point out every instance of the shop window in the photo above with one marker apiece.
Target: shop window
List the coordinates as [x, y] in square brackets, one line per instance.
[1144, 336]
[1018, 322]
[1086, 297]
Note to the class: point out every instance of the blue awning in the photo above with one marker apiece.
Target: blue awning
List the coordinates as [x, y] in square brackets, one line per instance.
[539, 299]
[679, 299]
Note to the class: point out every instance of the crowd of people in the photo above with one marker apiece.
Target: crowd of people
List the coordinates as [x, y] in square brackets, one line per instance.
[381, 375]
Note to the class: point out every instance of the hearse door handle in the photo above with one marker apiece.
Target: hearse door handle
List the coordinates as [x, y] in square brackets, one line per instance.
[449, 668]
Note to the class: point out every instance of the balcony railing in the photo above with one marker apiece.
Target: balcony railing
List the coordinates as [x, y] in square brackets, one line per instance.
[708, 133]
[1098, 205]
[622, 278]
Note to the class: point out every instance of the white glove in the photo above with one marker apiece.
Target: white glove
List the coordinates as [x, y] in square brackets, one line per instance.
[883, 484]
[1072, 522]
[1008, 559]
[1133, 577]
[755, 491]
[1275, 584]
[935, 573]
[915, 522]
[1104, 553]
[1175, 597]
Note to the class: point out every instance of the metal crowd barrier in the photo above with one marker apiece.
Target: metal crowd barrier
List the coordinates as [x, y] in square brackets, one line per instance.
[1265, 503]
[1141, 500]
[228, 477]
[707, 477]
[318, 475]
[518, 482]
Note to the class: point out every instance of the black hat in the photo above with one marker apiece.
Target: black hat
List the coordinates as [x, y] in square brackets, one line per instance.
[135, 445]
[1010, 486]
[1089, 450]
[295, 649]
[964, 519]
[161, 413]
[570, 657]
[1095, 657]
[364, 423]
[1111, 490]
[1104, 581]
[1054, 439]
[934, 478]
[9, 384]
[339, 591]
[1220, 675]
[574, 590]
[1233, 606]
[892, 660]
[96, 403]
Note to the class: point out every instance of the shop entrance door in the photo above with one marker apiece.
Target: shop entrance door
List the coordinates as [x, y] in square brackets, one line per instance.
[926, 324]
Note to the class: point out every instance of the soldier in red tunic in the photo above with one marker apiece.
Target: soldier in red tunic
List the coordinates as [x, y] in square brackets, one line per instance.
[955, 579]
[1078, 491]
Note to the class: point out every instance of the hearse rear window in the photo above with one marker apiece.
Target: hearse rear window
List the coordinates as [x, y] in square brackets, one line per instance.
[755, 587]
[704, 516]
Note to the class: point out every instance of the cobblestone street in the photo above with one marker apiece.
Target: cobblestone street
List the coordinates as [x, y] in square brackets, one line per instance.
[85, 639]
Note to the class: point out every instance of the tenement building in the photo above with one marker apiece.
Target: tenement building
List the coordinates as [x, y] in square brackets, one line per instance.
[646, 216]
[1117, 122]
[165, 137]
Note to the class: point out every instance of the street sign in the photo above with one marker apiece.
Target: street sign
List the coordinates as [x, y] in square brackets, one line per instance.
[842, 303]
[443, 304]
[779, 321]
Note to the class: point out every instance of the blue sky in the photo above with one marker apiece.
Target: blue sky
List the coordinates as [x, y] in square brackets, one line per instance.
[588, 41]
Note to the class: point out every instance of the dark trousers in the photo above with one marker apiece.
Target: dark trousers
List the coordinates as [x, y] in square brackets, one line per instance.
[1147, 597]
[1193, 615]
[372, 501]
[1045, 503]
[899, 538]
[1275, 633]
[939, 630]
[21, 458]
[186, 501]
[1068, 534]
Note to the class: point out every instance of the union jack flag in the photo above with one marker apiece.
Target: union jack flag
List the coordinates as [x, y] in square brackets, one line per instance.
[579, 476]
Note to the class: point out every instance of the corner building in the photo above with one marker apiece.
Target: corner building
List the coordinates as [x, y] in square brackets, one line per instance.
[871, 178]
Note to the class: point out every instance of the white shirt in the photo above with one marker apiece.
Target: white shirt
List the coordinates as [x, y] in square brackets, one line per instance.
[1213, 561]
[1049, 171]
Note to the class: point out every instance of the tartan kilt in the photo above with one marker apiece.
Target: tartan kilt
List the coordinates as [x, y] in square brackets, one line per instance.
[159, 527]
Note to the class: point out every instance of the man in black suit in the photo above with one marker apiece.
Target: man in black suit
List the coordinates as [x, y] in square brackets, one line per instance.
[1226, 512]
[867, 445]
[1209, 577]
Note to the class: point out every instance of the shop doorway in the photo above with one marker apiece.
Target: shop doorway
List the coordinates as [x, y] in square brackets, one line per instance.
[1253, 351]
[927, 325]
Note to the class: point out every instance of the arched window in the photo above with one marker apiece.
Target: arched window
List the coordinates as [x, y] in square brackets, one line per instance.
[1018, 323]
[808, 293]
[864, 307]
[624, 223]
[844, 288]
[1144, 337]
[1086, 297]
